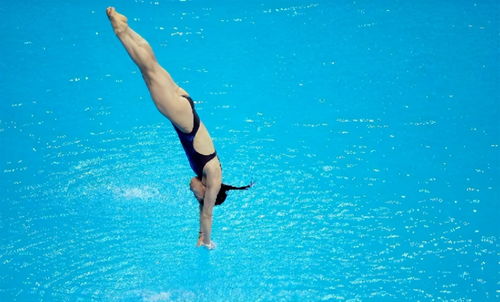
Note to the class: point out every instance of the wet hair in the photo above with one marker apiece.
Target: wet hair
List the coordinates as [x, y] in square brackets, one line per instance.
[221, 197]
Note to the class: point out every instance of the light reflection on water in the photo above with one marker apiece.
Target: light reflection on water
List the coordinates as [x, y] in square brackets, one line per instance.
[115, 222]
[360, 193]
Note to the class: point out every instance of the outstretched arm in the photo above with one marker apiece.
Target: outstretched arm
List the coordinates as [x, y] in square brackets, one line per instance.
[207, 213]
[200, 233]
[213, 180]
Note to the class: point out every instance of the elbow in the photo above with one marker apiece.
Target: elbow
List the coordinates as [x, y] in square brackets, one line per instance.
[206, 214]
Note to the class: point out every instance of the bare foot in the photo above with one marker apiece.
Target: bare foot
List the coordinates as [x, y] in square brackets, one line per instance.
[118, 21]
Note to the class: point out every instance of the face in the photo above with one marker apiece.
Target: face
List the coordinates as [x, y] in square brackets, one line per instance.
[197, 188]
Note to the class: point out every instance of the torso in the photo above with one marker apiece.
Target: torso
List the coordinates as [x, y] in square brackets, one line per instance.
[196, 142]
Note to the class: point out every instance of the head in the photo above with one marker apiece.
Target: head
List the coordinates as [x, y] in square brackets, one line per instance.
[198, 189]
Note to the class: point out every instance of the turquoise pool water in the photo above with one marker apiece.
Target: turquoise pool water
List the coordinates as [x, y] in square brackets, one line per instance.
[370, 128]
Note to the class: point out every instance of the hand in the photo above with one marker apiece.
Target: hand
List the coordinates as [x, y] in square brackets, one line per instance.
[200, 239]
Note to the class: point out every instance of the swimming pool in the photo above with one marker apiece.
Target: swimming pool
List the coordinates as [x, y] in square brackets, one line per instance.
[370, 128]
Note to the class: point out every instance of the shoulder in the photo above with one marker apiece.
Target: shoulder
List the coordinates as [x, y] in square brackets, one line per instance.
[212, 172]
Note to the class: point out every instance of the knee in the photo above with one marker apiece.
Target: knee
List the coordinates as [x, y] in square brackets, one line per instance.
[149, 68]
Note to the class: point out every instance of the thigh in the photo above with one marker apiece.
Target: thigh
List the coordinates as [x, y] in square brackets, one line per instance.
[168, 98]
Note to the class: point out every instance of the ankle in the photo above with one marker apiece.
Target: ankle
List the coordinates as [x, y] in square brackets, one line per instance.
[120, 31]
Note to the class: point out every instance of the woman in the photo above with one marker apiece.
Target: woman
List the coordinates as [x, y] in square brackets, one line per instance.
[175, 104]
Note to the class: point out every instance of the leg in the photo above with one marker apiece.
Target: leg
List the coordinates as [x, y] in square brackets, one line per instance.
[163, 89]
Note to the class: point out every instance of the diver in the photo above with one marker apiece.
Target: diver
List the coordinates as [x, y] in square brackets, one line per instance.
[176, 105]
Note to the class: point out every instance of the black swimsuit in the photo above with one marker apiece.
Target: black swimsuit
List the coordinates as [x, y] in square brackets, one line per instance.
[196, 160]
